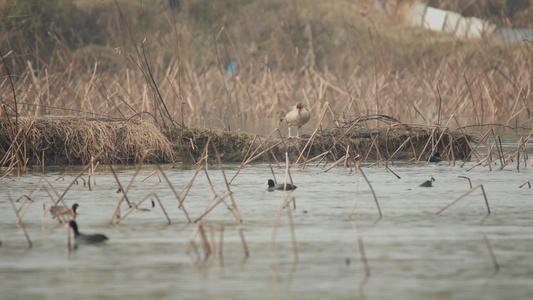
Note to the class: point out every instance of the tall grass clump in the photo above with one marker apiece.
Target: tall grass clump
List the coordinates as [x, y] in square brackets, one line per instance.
[170, 65]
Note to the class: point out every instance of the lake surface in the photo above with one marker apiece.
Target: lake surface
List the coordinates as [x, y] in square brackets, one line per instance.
[411, 252]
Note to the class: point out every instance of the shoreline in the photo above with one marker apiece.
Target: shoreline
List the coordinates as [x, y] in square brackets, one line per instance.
[53, 140]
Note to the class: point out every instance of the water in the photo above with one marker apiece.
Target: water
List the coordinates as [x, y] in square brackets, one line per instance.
[412, 253]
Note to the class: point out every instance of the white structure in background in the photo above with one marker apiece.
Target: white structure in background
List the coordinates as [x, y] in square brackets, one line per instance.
[450, 22]
[516, 34]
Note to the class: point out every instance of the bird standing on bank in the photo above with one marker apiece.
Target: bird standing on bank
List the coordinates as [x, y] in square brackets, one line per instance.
[298, 116]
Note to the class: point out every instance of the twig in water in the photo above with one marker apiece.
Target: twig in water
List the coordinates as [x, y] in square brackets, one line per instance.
[356, 190]
[492, 255]
[293, 231]
[469, 181]
[205, 242]
[335, 163]
[244, 245]
[220, 243]
[212, 244]
[181, 206]
[193, 237]
[149, 175]
[371, 189]
[233, 203]
[20, 224]
[527, 182]
[363, 256]
[464, 195]
[392, 172]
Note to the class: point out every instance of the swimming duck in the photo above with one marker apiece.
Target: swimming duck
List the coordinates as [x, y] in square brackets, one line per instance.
[428, 183]
[435, 157]
[86, 238]
[280, 187]
[298, 116]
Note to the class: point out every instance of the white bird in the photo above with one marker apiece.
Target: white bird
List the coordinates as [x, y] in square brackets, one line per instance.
[298, 116]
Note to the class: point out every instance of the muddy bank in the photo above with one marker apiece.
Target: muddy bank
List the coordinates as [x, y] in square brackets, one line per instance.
[393, 143]
[72, 140]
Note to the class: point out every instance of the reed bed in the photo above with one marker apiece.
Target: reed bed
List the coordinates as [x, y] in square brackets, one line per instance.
[77, 140]
[203, 229]
[366, 65]
[366, 81]
[375, 98]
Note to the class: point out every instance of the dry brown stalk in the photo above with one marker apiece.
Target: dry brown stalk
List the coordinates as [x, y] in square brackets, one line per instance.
[356, 190]
[363, 256]
[397, 150]
[134, 208]
[193, 237]
[469, 181]
[211, 206]
[446, 130]
[287, 172]
[262, 152]
[21, 224]
[205, 242]
[374, 144]
[450, 146]
[277, 224]
[317, 157]
[244, 158]
[268, 160]
[150, 175]
[244, 245]
[124, 195]
[489, 158]
[212, 243]
[78, 176]
[431, 136]
[526, 182]
[492, 255]
[336, 163]
[180, 206]
[474, 151]
[371, 189]
[478, 163]
[314, 134]
[466, 194]
[220, 244]
[33, 195]
[60, 215]
[233, 203]
[292, 229]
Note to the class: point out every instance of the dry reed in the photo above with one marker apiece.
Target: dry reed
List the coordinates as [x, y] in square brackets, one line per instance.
[492, 255]
[466, 194]
[78, 140]
[412, 75]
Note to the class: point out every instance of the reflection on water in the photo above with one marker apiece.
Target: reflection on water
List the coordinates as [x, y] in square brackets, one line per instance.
[313, 251]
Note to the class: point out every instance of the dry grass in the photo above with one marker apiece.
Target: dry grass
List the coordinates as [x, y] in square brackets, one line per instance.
[330, 53]
[75, 140]
[374, 75]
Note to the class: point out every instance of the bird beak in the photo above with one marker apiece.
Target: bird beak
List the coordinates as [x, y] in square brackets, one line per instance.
[298, 111]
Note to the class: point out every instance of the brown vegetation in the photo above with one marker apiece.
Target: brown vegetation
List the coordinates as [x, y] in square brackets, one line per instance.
[172, 68]
[74, 140]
